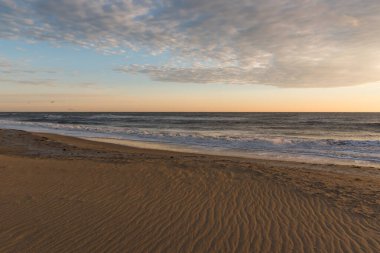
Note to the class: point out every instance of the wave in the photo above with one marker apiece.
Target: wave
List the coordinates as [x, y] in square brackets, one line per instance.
[238, 141]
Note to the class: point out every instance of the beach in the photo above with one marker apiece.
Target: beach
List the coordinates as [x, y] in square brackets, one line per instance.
[189, 126]
[65, 194]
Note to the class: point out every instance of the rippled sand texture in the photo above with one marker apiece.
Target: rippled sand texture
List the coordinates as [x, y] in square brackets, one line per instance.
[163, 202]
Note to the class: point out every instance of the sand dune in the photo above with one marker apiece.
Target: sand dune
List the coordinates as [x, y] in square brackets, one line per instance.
[61, 194]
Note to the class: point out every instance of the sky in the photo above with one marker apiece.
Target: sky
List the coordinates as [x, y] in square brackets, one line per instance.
[190, 55]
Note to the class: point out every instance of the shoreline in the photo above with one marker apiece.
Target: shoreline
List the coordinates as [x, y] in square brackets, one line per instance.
[152, 145]
[318, 150]
[147, 146]
[118, 188]
[182, 148]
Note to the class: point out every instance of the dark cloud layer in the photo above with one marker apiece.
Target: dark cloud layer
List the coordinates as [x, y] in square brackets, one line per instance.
[286, 43]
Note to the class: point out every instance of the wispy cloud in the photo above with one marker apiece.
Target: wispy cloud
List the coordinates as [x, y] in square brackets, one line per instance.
[20, 74]
[39, 82]
[5, 65]
[13, 73]
[10, 67]
[286, 43]
[87, 85]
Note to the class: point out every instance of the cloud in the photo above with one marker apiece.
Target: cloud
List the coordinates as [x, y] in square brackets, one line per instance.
[87, 85]
[16, 73]
[40, 82]
[5, 65]
[285, 43]
[19, 74]
[8, 67]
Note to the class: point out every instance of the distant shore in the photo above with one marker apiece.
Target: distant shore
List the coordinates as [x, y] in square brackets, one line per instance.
[61, 194]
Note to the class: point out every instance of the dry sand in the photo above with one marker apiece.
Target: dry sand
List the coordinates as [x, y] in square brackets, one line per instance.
[62, 194]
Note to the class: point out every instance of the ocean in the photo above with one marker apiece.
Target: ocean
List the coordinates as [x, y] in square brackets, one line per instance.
[338, 138]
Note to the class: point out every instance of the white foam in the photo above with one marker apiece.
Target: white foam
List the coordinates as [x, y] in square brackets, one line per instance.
[241, 143]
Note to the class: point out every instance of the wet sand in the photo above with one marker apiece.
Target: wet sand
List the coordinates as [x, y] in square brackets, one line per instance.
[63, 194]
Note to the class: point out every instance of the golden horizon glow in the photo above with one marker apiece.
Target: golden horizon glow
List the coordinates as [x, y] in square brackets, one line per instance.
[348, 99]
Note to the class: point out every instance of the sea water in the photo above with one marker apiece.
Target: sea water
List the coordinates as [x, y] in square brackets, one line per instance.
[346, 138]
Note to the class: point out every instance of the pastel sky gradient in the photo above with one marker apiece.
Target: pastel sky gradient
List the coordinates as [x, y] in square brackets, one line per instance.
[182, 55]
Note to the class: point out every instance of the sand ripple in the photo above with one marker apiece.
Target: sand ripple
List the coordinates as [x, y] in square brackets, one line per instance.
[156, 204]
